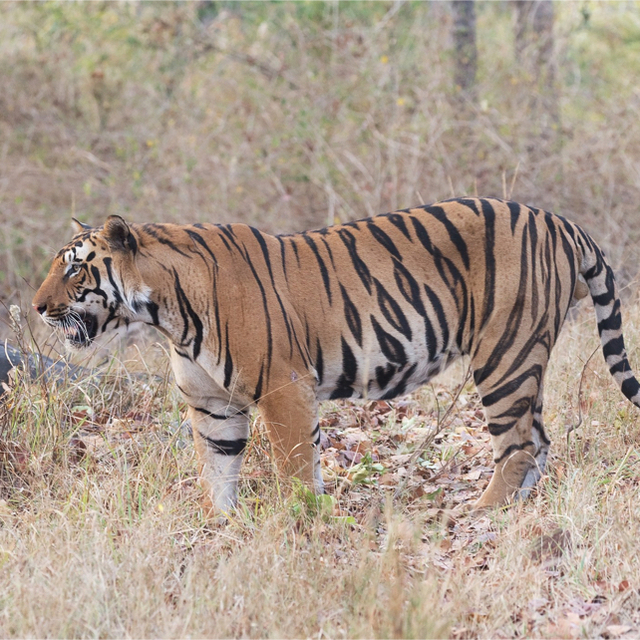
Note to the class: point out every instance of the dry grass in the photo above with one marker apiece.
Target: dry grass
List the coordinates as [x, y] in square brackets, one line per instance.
[290, 116]
[102, 534]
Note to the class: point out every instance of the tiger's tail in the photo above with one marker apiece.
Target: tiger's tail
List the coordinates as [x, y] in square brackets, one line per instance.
[598, 275]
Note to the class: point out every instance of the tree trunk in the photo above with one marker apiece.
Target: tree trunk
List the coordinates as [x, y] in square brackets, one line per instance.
[466, 51]
[534, 46]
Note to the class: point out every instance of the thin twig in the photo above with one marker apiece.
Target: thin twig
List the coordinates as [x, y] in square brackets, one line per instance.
[426, 442]
[513, 181]
[573, 427]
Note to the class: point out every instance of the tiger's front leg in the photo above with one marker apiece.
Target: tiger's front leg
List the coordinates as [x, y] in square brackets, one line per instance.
[220, 434]
[290, 414]
[220, 427]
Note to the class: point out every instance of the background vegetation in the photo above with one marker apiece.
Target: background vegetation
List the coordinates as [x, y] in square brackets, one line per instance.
[290, 116]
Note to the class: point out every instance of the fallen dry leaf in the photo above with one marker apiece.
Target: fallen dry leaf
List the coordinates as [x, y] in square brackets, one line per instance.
[617, 630]
[548, 548]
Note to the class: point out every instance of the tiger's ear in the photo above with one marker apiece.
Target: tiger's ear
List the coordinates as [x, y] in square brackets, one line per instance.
[118, 235]
[79, 227]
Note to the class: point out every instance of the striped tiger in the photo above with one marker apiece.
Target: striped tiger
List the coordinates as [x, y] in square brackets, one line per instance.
[367, 309]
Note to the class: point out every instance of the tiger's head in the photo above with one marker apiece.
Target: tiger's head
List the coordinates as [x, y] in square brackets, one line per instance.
[94, 283]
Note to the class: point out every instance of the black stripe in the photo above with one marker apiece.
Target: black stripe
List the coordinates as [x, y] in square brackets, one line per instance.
[516, 410]
[228, 233]
[613, 322]
[319, 362]
[392, 311]
[352, 316]
[408, 287]
[228, 361]
[422, 234]
[466, 310]
[215, 416]
[328, 248]
[512, 327]
[490, 262]
[454, 235]
[568, 248]
[398, 220]
[440, 315]
[95, 272]
[265, 253]
[186, 309]
[604, 299]
[401, 387]
[216, 313]
[539, 337]
[533, 234]
[344, 388]
[467, 202]
[153, 308]
[499, 429]
[594, 271]
[224, 241]
[620, 367]
[257, 394]
[553, 232]
[359, 265]
[630, 387]
[108, 264]
[510, 387]
[383, 239]
[226, 447]
[294, 246]
[384, 375]
[110, 318]
[153, 230]
[321, 264]
[511, 448]
[514, 210]
[266, 314]
[614, 347]
[315, 435]
[537, 425]
[390, 346]
[196, 237]
[283, 257]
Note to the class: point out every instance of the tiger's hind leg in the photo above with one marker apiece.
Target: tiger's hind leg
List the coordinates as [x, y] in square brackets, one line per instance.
[541, 451]
[513, 408]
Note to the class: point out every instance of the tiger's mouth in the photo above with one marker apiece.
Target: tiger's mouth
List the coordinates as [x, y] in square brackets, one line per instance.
[79, 329]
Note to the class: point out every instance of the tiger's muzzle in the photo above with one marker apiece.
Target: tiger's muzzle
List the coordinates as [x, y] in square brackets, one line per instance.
[79, 328]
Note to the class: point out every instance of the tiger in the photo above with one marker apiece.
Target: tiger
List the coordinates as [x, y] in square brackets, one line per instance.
[370, 309]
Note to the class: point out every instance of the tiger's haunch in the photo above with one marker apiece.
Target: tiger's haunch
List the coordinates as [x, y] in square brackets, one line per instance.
[372, 308]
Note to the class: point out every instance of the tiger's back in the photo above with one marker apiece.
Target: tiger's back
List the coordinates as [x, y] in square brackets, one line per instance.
[372, 308]
[389, 301]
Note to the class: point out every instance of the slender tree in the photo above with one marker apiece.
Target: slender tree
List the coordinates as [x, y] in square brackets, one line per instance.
[466, 51]
[534, 49]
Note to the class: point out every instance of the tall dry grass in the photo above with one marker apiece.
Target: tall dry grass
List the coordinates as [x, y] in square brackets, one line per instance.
[102, 532]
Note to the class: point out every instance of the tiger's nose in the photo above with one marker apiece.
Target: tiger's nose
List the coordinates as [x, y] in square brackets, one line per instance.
[40, 308]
